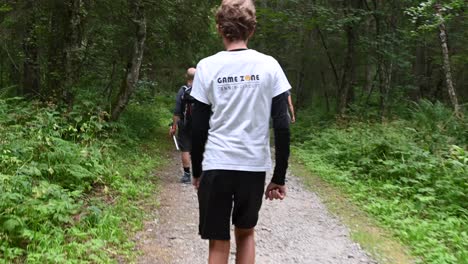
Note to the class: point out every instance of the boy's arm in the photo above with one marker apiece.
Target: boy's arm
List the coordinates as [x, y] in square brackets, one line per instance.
[279, 114]
[175, 121]
[200, 125]
[291, 109]
[177, 112]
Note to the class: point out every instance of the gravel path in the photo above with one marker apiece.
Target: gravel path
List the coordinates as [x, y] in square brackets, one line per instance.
[296, 230]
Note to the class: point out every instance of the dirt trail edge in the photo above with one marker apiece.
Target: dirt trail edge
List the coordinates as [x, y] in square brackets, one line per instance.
[296, 230]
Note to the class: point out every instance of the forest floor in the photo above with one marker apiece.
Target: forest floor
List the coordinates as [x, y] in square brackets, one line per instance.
[296, 230]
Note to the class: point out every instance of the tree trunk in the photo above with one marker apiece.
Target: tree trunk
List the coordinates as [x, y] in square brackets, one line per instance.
[446, 61]
[369, 71]
[133, 70]
[72, 50]
[64, 58]
[299, 88]
[386, 66]
[385, 85]
[369, 78]
[30, 65]
[55, 63]
[347, 79]
[30, 83]
[108, 89]
[421, 65]
[15, 77]
[379, 74]
[325, 91]
[330, 59]
[306, 43]
[13, 74]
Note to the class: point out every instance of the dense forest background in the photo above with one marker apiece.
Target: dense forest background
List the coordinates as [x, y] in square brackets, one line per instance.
[380, 86]
[339, 55]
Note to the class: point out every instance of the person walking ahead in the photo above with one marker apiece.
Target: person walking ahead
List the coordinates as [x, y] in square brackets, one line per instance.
[236, 92]
[182, 121]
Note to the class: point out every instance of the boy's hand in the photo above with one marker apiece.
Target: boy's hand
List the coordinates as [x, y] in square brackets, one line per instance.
[172, 131]
[196, 182]
[275, 191]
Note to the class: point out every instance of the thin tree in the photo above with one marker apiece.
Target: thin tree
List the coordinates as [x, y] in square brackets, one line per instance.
[30, 81]
[128, 86]
[349, 71]
[446, 59]
[72, 49]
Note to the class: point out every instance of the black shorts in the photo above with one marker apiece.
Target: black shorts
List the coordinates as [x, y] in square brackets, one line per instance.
[184, 139]
[219, 192]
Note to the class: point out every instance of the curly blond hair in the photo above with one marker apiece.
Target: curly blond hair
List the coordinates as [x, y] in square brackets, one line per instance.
[236, 19]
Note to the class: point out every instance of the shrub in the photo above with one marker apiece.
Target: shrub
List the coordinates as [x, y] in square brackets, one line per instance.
[48, 160]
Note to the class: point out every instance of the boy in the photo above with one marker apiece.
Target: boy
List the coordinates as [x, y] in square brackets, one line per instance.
[181, 118]
[236, 92]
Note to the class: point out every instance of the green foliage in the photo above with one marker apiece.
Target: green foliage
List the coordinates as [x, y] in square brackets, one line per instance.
[145, 118]
[48, 161]
[438, 125]
[424, 14]
[69, 181]
[410, 174]
[4, 8]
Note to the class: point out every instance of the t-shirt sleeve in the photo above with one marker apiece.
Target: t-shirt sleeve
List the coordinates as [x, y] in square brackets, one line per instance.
[200, 86]
[280, 82]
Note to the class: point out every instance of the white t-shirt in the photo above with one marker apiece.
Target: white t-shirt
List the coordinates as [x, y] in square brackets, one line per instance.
[239, 86]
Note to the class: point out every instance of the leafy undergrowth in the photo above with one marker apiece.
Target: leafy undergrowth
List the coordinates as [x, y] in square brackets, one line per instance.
[70, 183]
[412, 175]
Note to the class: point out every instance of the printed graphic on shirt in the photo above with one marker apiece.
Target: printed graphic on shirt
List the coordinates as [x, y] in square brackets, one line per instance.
[239, 82]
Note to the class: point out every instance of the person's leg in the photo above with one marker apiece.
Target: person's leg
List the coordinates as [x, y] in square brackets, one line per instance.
[186, 176]
[245, 242]
[186, 160]
[248, 198]
[219, 252]
[215, 206]
[184, 138]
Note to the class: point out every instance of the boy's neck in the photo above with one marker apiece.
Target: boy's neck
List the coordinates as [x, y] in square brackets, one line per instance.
[234, 45]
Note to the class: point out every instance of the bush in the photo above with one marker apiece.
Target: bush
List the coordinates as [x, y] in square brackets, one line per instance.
[68, 179]
[438, 124]
[48, 160]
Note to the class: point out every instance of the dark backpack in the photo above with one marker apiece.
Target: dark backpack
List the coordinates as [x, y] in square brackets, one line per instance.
[187, 102]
